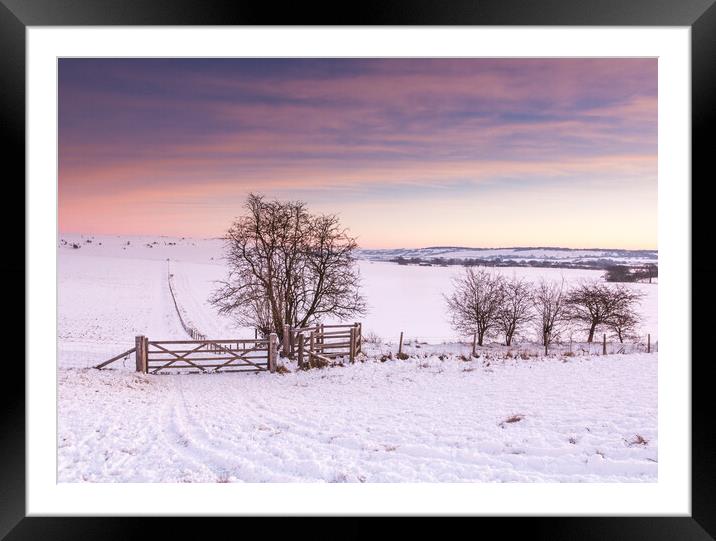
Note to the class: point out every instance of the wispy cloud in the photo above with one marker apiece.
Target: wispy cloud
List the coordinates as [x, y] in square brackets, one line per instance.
[197, 133]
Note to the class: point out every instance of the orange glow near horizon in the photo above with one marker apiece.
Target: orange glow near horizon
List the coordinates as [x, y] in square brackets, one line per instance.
[409, 153]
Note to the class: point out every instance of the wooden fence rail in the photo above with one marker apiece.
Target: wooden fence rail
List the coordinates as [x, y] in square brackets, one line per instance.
[311, 344]
[116, 358]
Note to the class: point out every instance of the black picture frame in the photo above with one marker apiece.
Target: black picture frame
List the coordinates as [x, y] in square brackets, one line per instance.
[17, 15]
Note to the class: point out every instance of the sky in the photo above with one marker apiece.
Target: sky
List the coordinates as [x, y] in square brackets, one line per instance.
[408, 152]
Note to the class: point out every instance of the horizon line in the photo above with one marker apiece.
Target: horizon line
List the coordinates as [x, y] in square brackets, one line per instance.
[431, 247]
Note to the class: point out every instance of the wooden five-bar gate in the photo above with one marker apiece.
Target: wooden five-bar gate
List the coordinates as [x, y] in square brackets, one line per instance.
[197, 356]
[311, 346]
[322, 343]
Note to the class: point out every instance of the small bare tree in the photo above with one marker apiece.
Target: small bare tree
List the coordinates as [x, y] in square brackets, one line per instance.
[475, 303]
[624, 317]
[287, 266]
[596, 304]
[590, 305]
[516, 307]
[549, 301]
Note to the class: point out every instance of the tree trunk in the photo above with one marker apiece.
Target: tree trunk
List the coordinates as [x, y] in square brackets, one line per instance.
[591, 333]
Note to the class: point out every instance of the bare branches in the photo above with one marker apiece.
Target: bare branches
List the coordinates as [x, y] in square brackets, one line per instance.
[487, 304]
[624, 318]
[596, 305]
[475, 303]
[515, 309]
[549, 303]
[288, 266]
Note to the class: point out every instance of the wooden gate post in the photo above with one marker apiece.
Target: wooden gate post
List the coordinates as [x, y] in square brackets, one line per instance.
[146, 355]
[400, 346]
[648, 343]
[286, 344]
[359, 337]
[141, 346]
[320, 337]
[300, 350]
[604, 344]
[353, 345]
[272, 351]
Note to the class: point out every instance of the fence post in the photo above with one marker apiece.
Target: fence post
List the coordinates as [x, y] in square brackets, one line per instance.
[648, 343]
[320, 334]
[140, 354]
[353, 345]
[311, 347]
[359, 326]
[474, 343]
[300, 350]
[138, 342]
[286, 345]
[400, 345]
[145, 354]
[604, 344]
[273, 351]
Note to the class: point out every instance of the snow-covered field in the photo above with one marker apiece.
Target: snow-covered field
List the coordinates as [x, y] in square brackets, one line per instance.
[432, 417]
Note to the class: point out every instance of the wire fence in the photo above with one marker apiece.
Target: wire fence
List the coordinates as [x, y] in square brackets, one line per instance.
[421, 344]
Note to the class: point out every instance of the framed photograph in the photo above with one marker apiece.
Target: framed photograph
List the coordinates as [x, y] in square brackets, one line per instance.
[437, 264]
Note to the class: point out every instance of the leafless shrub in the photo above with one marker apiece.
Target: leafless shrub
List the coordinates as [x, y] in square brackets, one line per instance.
[371, 337]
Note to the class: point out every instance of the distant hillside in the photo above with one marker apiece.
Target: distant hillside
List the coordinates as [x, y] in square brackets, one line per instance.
[597, 258]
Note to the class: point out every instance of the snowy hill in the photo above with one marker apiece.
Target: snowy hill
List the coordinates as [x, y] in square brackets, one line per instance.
[520, 256]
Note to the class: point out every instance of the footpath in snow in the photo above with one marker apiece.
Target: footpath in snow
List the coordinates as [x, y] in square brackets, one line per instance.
[425, 419]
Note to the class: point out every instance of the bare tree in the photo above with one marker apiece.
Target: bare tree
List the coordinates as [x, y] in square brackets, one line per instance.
[288, 266]
[590, 305]
[624, 318]
[516, 307]
[475, 303]
[549, 301]
[595, 304]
